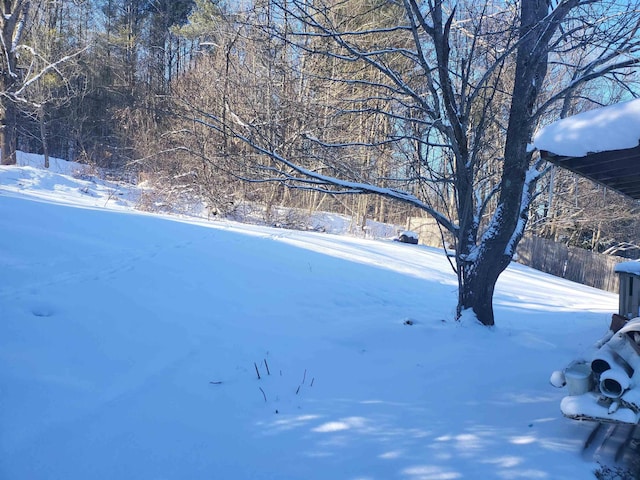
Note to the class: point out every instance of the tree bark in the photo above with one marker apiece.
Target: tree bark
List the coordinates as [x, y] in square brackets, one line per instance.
[42, 119]
[8, 133]
[478, 285]
[497, 246]
[12, 21]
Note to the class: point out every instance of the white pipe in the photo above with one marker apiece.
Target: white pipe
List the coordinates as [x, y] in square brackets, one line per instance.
[603, 360]
[614, 382]
[621, 344]
[618, 351]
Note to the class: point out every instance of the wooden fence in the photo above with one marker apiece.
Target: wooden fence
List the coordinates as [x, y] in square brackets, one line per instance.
[575, 264]
[572, 263]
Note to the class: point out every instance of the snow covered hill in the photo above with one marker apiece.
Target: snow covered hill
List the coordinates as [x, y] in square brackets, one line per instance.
[131, 345]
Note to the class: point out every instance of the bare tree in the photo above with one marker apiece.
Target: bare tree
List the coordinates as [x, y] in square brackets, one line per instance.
[23, 66]
[461, 87]
[12, 22]
[584, 214]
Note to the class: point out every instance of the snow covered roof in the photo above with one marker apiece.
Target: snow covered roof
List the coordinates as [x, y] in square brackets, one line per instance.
[616, 127]
[601, 144]
[632, 267]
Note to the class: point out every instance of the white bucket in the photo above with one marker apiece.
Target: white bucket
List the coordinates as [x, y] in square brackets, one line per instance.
[578, 377]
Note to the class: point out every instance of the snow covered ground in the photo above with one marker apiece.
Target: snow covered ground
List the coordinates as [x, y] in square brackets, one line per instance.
[131, 343]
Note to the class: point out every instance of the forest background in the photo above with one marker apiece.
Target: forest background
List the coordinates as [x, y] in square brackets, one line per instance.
[115, 84]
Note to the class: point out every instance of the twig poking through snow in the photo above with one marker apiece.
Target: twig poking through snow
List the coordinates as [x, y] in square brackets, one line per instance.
[267, 366]
[263, 394]
[257, 371]
[304, 375]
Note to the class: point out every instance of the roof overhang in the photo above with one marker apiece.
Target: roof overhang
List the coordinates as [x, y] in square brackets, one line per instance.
[615, 169]
[602, 144]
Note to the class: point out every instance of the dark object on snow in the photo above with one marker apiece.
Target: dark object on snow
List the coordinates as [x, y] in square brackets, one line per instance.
[408, 237]
[617, 322]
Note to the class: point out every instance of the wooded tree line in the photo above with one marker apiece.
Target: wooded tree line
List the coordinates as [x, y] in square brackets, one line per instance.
[376, 108]
[80, 78]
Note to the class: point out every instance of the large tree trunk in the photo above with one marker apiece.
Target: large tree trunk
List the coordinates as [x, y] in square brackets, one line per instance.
[481, 269]
[476, 292]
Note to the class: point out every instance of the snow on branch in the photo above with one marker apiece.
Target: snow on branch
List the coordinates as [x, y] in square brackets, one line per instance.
[33, 78]
[533, 174]
[352, 33]
[310, 179]
[319, 142]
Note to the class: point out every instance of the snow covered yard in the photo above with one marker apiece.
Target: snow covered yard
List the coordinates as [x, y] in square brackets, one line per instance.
[131, 344]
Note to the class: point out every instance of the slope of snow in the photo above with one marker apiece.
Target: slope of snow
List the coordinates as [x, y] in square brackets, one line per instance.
[603, 129]
[65, 183]
[130, 348]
